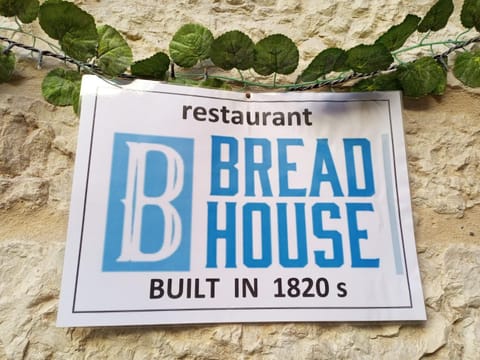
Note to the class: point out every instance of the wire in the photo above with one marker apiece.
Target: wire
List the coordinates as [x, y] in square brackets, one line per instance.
[343, 78]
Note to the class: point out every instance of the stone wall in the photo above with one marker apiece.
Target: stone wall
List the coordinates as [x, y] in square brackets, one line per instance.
[37, 150]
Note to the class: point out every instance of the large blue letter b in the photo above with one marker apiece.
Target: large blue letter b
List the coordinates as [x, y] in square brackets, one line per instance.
[149, 209]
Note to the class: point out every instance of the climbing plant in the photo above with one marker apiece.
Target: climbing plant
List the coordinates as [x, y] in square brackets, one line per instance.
[196, 57]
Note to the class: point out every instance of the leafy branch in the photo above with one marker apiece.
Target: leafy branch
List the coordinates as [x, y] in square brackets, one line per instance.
[196, 57]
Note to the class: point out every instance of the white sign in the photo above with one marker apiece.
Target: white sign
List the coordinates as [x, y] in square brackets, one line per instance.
[203, 206]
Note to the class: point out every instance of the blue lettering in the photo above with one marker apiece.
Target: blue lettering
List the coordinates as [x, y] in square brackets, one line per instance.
[284, 167]
[213, 234]
[285, 260]
[265, 233]
[228, 165]
[353, 189]
[262, 167]
[356, 235]
[323, 158]
[320, 259]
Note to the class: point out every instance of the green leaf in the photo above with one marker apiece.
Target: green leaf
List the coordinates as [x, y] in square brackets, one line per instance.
[7, 65]
[441, 85]
[114, 55]
[76, 102]
[369, 58]
[328, 60]
[382, 82]
[154, 67]
[79, 45]
[182, 81]
[215, 84]
[25, 10]
[422, 77]
[437, 17]
[8, 8]
[190, 44]
[470, 14]
[74, 28]
[61, 87]
[275, 54]
[233, 49]
[396, 36]
[467, 68]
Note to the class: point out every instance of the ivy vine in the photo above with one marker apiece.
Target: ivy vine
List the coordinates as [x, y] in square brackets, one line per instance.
[194, 49]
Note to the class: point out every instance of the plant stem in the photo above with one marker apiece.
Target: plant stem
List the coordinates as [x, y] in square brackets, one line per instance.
[425, 37]
[241, 77]
[18, 24]
[430, 45]
[463, 33]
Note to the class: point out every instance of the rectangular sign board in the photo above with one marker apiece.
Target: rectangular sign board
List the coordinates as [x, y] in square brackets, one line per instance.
[205, 206]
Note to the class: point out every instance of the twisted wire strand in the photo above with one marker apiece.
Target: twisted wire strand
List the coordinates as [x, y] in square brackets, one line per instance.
[294, 87]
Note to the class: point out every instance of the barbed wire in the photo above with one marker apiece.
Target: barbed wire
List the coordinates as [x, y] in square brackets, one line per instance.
[290, 87]
[41, 53]
[62, 57]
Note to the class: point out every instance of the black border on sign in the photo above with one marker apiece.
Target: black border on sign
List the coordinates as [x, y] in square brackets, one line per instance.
[74, 311]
